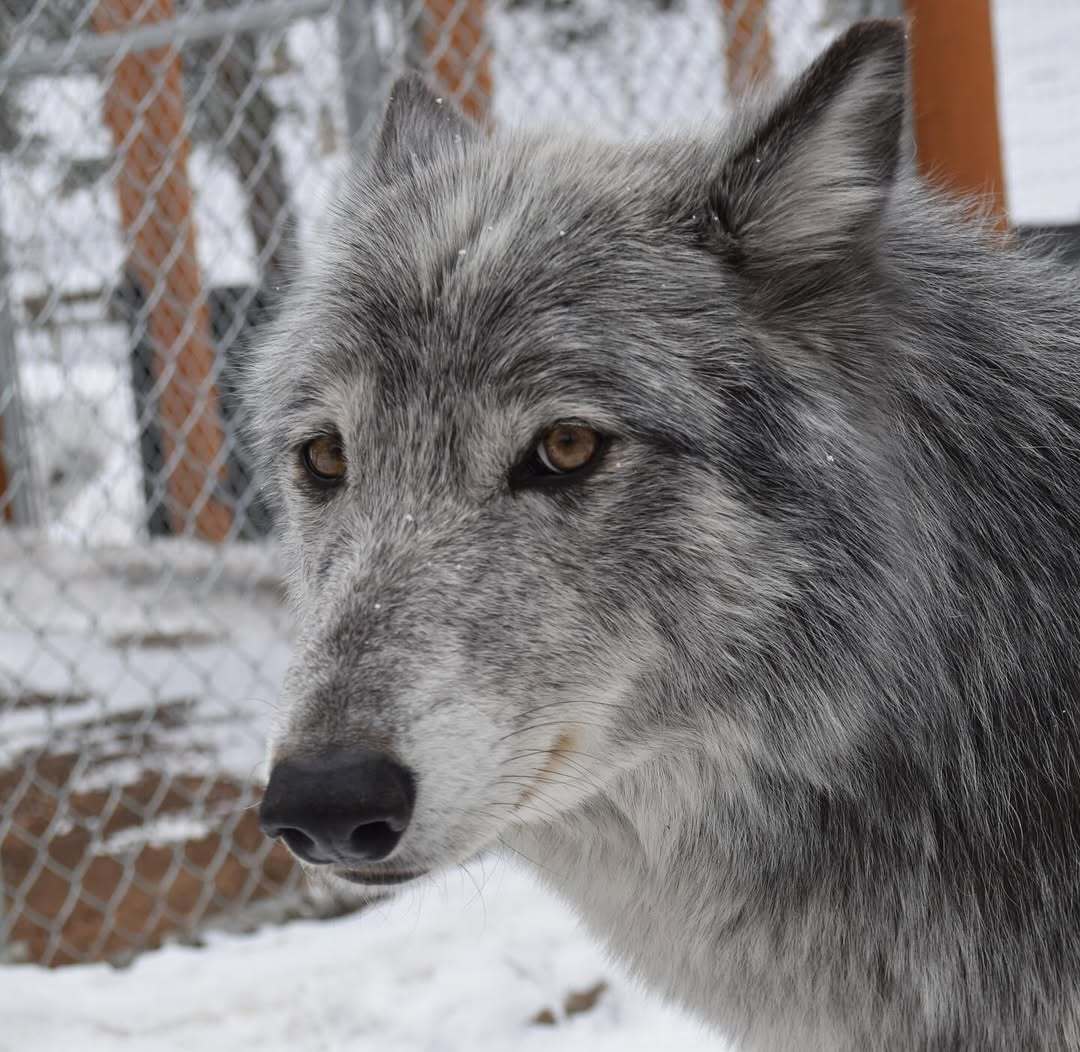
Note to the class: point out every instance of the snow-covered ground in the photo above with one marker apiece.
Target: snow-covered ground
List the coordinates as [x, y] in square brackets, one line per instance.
[126, 631]
[466, 964]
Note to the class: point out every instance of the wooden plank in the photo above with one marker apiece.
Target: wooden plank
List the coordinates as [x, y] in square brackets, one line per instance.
[748, 44]
[144, 109]
[459, 53]
[954, 98]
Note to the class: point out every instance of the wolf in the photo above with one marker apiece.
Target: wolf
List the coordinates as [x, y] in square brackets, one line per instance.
[699, 520]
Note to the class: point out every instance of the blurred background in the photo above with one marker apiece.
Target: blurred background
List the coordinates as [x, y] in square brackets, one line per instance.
[162, 163]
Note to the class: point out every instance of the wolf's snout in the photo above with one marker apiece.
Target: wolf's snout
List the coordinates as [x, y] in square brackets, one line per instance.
[343, 807]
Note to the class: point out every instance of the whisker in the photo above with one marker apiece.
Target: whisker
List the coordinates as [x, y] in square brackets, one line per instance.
[535, 793]
[544, 807]
[479, 894]
[565, 756]
[568, 781]
[547, 752]
[531, 861]
[552, 723]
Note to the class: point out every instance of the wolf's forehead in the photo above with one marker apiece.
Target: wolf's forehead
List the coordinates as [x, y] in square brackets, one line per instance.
[502, 275]
[467, 239]
[524, 216]
[460, 267]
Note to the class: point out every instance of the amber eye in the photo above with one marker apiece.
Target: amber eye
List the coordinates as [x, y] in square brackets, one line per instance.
[568, 447]
[324, 458]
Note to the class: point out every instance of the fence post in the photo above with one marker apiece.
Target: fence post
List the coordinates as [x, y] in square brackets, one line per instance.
[954, 99]
[144, 108]
[361, 68]
[459, 53]
[748, 44]
[17, 498]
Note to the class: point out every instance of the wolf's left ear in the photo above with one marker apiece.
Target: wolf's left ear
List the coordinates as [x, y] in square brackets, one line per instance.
[806, 179]
[416, 124]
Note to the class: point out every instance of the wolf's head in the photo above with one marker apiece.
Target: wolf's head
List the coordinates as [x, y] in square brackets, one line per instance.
[552, 425]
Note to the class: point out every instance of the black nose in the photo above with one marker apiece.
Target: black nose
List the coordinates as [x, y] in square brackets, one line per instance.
[348, 806]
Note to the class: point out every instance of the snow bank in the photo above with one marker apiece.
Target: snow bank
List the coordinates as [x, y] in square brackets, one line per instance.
[464, 963]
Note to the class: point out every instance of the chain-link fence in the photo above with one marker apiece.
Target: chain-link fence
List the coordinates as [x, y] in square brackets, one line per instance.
[162, 160]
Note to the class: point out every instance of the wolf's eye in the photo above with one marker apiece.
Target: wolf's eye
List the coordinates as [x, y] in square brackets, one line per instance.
[563, 453]
[567, 447]
[324, 459]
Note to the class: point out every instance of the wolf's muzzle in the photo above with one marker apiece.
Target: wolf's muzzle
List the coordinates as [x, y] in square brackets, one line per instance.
[345, 807]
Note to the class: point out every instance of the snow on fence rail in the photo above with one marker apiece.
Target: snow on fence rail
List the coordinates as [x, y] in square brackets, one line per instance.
[160, 163]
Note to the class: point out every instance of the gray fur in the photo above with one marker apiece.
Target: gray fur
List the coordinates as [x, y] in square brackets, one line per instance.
[783, 696]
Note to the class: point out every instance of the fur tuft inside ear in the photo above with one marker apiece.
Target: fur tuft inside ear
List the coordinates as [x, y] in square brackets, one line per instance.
[416, 124]
[803, 182]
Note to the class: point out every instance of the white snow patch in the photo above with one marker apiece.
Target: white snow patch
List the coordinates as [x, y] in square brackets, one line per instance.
[462, 964]
[165, 829]
[1038, 83]
[132, 629]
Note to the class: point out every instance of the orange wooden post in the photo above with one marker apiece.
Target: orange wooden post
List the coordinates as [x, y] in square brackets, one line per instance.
[459, 52]
[748, 44]
[144, 109]
[957, 140]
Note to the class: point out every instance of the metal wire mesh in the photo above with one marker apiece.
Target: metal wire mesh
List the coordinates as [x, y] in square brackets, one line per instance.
[161, 162]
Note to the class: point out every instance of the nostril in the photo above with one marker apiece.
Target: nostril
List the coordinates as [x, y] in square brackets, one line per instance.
[301, 845]
[373, 841]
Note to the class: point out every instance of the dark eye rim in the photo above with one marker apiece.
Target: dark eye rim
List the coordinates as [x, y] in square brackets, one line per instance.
[313, 474]
[530, 472]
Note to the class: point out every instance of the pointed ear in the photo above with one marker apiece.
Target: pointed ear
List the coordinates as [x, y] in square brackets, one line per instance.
[815, 173]
[417, 122]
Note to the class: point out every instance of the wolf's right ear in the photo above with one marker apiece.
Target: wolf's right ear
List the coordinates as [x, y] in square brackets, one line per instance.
[416, 123]
[804, 180]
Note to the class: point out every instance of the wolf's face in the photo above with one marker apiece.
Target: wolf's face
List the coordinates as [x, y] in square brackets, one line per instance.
[514, 418]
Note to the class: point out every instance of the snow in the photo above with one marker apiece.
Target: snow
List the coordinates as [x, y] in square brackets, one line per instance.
[642, 70]
[131, 630]
[83, 414]
[56, 239]
[463, 963]
[166, 829]
[1039, 108]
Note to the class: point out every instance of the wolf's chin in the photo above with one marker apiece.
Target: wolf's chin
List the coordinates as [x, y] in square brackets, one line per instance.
[378, 880]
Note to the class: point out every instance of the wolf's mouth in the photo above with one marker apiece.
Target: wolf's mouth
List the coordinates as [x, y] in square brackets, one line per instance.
[375, 878]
